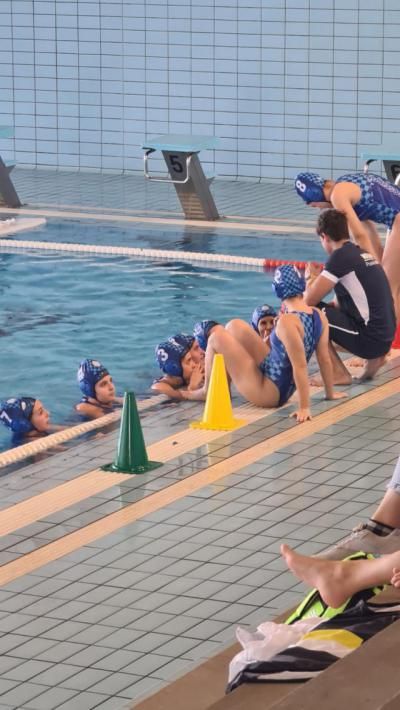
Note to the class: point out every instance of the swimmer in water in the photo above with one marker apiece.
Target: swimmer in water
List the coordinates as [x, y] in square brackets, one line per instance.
[263, 320]
[181, 360]
[366, 200]
[267, 374]
[98, 390]
[27, 419]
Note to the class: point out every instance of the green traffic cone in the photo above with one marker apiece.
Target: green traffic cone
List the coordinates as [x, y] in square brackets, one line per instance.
[131, 452]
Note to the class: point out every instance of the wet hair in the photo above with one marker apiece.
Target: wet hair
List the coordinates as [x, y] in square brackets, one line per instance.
[333, 223]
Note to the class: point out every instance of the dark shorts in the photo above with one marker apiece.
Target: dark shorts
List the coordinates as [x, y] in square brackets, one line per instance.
[351, 335]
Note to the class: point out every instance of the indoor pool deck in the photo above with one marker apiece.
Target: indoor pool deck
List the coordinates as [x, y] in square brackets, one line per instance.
[112, 586]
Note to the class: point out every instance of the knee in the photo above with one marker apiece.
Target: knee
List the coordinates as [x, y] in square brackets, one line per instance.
[236, 325]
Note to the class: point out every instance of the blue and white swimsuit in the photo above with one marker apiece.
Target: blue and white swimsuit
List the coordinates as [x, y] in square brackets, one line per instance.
[380, 199]
[277, 366]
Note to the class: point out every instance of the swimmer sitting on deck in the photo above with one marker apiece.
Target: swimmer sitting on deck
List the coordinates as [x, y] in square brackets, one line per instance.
[98, 390]
[268, 374]
[26, 417]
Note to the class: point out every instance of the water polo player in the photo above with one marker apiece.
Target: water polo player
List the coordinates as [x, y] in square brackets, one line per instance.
[98, 390]
[268, 374]
[366, 199]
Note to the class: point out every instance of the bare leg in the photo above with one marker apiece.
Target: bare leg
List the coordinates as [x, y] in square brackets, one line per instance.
[337, 581]
[388, 510]
[341, 375]
[242, 368]
[391, 263]
[244, 334]
[375, 239]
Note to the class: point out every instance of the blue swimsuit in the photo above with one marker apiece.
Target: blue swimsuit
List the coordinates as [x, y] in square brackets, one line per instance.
[277, 366]
[380, 199]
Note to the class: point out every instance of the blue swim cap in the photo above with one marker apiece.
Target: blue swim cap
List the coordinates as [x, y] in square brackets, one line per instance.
[183, 339]
[170, 353]
[309, 186]
[90, 372]
[261, 312]
[201, 331]
[288, 282]
[16, 414]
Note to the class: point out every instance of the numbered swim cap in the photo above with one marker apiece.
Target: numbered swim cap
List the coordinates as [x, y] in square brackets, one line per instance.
[201, 331]
[16, 414]
[170, 353]
[310, 187]
[90, 372]
[261, 312]
[288, 282]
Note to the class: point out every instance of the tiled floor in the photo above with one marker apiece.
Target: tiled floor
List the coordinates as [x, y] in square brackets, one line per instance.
[118, 617]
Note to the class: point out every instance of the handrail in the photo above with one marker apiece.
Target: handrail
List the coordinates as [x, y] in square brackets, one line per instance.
[166, 179]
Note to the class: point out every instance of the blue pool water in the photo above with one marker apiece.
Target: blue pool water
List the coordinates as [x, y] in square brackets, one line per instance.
[58, 308]
[182, 238]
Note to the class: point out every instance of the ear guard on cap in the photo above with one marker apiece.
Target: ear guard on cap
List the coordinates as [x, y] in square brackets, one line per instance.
[16, 414]
[288, 282]
[309, 186]
[90, 372]
[169, 354]
[201, 331]
[261, 312]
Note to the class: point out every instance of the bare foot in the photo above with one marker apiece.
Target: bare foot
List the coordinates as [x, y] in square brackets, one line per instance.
[371, 368]
[355, 362]
[328, 576]
[343, 379]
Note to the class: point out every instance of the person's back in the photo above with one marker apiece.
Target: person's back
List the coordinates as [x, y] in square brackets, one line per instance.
[380, 199]
[278, 366]
[362, 289]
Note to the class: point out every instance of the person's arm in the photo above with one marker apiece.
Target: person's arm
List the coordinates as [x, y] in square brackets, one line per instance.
[288, 331]
[197, 378]
[198, 395]
[165, 388]
[344, 196]
[90, 411]
[317, 290]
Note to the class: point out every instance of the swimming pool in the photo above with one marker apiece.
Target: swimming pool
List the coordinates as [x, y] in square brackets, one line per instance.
[182, 238]
[59, 308]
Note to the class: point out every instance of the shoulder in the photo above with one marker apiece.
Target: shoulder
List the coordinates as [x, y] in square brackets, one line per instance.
[346, 190]
[287, 319]
[343, 259]
[91, 411]
[288, 323]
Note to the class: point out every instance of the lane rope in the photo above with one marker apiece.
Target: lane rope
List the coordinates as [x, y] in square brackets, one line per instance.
[255, 263]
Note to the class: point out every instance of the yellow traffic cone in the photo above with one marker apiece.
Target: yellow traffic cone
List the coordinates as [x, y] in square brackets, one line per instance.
[218, 410]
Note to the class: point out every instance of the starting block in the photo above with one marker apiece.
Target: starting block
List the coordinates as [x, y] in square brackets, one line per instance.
[185, 172]
[8, 193]
[390, 156]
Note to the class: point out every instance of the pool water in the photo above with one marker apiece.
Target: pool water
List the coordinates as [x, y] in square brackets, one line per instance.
[197, 239]
[59, 308]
